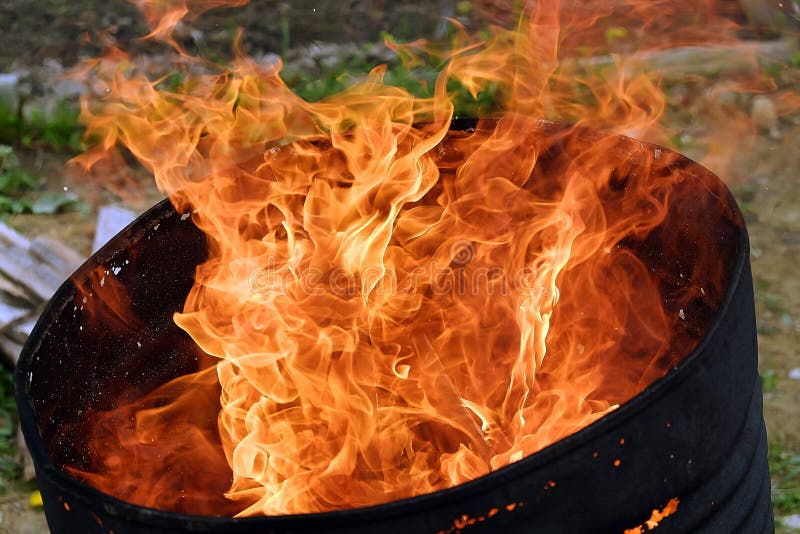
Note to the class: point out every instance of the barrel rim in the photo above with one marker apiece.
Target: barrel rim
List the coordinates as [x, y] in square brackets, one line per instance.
[341, 518]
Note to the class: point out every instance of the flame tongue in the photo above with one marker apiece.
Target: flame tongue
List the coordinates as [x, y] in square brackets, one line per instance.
[395, 308]
[381, 327]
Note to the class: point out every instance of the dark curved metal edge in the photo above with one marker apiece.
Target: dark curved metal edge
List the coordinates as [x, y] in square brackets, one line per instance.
[57, 303]
[494, 481]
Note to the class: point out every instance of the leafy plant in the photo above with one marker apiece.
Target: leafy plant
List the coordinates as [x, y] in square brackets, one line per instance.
[34, 127]
[418, 81]
[18, 190]
[14, 182]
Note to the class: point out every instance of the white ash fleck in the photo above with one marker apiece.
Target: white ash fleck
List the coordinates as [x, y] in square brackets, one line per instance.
[703, 291]
[84, 301]
[580, 348]
[139, 344]
[681, 314]
[185, 216]
[156, 227]
[103, 281]
[116, 270]
[657, 153]
[127, 262]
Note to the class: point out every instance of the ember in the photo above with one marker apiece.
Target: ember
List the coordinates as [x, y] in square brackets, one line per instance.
[391, 306]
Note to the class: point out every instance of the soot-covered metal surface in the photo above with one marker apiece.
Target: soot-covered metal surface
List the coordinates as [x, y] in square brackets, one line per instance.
[694, 438]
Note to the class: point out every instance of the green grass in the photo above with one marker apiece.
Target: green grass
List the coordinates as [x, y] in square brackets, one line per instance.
[784, 466]
[769, 380]
[21, 191]
[418, 81]
[10, 468]
[56, 129]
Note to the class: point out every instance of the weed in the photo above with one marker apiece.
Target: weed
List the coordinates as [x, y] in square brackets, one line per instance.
[10, 468]
[785, 469]
[418, 81]
[19, 190]
[765, 295]
[769, 380]
[55, 129]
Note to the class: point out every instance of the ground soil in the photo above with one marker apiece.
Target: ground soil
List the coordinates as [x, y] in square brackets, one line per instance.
[774, 228]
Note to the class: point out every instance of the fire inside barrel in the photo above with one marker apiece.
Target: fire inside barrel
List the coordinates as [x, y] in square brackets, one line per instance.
[388, 306]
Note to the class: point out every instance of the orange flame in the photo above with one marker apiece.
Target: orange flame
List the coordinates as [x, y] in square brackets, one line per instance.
[164, 15]
[393, 308]
[656, 517]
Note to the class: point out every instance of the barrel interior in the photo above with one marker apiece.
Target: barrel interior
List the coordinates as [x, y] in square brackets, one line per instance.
[108, 337]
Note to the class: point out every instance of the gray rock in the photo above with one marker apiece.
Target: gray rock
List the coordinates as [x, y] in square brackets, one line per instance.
[791, 521]
[9, 90]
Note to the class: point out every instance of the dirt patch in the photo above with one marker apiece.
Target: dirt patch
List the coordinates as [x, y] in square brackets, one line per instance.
[66, 31]
[18, 517]
[774, 226]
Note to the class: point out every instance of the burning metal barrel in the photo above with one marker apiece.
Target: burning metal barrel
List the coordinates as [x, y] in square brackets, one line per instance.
[685, 452]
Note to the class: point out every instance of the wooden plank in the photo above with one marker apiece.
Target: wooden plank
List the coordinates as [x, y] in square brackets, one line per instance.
[13, 238]
[22, 327]
[10, 291]
[10, 313]
[110, 220]
[10, 349]
[56, 254]
[712, 60]
[37, 278]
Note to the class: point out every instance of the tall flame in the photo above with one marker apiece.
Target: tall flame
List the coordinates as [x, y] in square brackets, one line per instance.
[394, 308]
